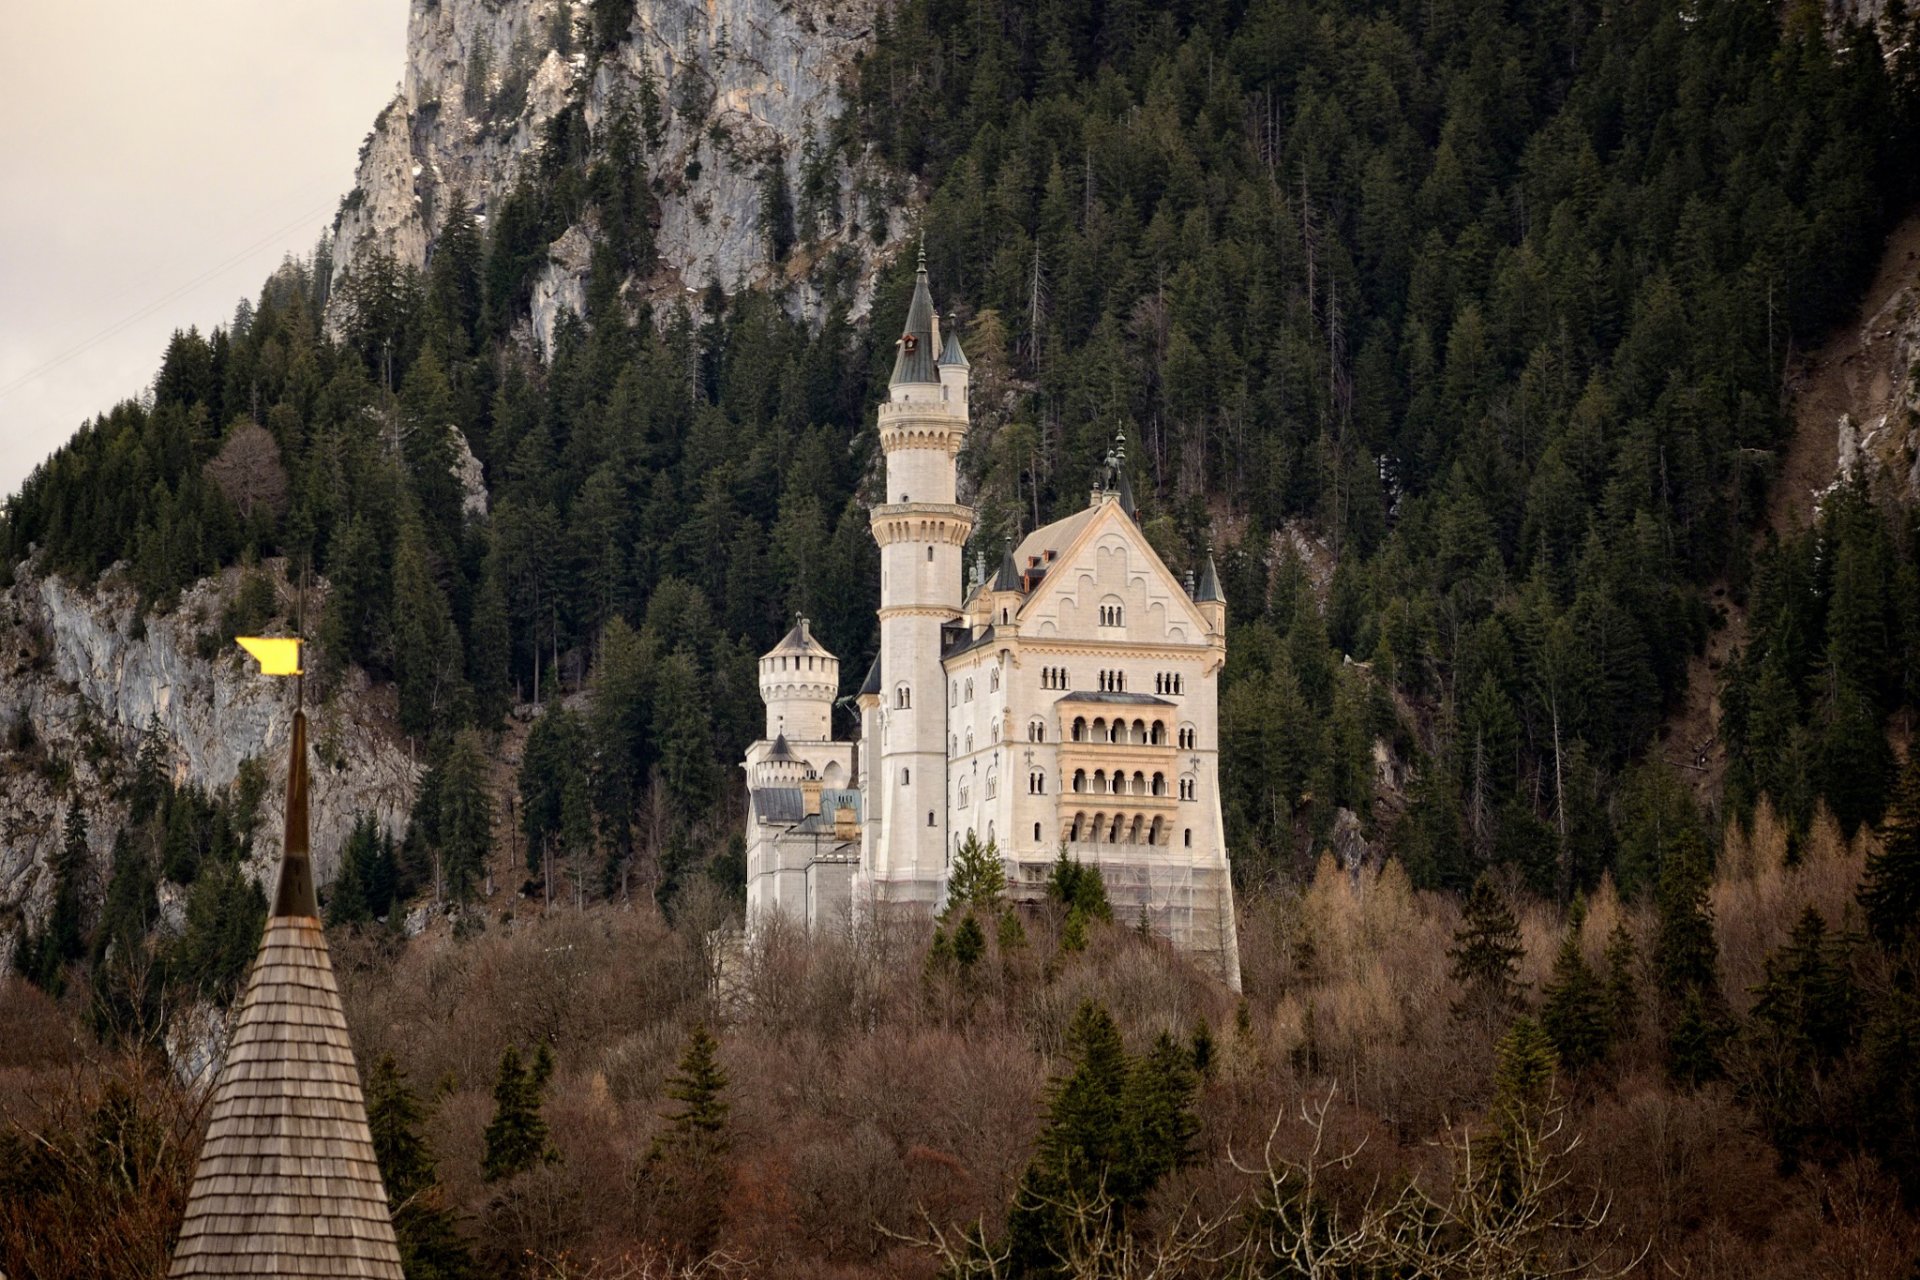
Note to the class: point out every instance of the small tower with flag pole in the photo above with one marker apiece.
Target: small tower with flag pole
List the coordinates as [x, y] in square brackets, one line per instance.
[287, 1183]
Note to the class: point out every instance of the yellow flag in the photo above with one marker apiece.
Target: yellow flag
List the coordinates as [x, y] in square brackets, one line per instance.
[277, 655]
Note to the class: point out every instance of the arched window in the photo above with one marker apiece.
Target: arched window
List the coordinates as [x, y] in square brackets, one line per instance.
[969, 693]
[906, 777]
[902, 697]
[1189, 837]
[1036, 730]
[1036, 833]
[993, 680]
[1186, 788]
[1079, 728]
[1159, 784]
[1036, 783]
[1139, 783]
[1186, 737]
[969, 742]
[953, 694]
[929, 555]
[929, 817]
[1079, 779]
[993, 784]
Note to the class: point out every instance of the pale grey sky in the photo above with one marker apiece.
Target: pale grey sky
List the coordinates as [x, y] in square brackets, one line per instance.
[158, 158]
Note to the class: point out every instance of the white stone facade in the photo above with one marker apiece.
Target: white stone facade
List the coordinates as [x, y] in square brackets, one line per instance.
[1069, 700]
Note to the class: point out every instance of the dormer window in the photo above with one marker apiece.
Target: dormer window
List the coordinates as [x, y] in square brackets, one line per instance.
[910, 342]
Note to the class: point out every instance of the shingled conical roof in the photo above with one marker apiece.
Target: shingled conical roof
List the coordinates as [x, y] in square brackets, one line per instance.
[287, 1184]
[915, 362]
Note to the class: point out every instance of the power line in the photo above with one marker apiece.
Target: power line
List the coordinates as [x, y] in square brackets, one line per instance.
[81, 348]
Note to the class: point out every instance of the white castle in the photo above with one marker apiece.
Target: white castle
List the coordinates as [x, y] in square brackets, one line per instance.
[1072, 699]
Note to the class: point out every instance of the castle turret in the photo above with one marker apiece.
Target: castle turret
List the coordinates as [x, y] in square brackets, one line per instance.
[922, 530]
[1212, 601]
[799, 680]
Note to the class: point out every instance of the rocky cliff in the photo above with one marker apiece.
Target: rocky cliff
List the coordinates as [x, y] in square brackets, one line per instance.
[741, 85]
[84, 679]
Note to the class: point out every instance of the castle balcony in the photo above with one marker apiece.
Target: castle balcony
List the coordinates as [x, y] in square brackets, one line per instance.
[947, 522]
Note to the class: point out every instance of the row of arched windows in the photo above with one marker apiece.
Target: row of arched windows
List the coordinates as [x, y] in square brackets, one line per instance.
[1054, 678]
[1169, 682]
[1113, 682]
[1123, 828]
[1139, 733]
[1111, 615]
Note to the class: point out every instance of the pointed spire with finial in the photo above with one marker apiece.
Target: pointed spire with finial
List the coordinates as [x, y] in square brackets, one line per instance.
[915, 361]
[287, 1183]
[1209, 582]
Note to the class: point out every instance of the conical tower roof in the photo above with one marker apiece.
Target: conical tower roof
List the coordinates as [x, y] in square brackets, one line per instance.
[287, 1183]
[1209, 583]
[915, 362]
[950, 352]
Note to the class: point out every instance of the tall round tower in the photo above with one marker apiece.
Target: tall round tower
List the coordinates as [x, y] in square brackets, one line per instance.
[922, 530]
[799, 680]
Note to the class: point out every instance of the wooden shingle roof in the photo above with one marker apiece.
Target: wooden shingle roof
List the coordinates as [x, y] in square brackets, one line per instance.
[287, 1184]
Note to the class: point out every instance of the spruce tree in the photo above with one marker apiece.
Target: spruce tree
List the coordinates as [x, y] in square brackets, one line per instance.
[1685, 963]
[1083, 1145]
[516, 1138]
[1623, 984]
[1574, 1014]
[978, 878]
[1890, 890]
[1486, 955]
[1160, 1092]
[423, 1223]
[688, 1160]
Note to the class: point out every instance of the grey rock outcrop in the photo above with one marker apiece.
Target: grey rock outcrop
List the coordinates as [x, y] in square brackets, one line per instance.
[741, 86]
[83, 682]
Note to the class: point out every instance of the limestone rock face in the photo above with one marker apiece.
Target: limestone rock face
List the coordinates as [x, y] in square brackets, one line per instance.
[82, 682]
[741, 85]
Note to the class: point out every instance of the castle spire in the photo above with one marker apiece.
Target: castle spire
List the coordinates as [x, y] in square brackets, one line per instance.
[915, 362]
[287, 1183]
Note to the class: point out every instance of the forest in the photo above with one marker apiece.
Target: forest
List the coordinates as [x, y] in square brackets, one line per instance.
[1459, 332]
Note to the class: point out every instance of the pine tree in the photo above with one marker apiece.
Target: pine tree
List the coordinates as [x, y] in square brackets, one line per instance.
[1082, 1146]
[1523, 1079]
[978, 878]
[688, 1160]
[1160, 1093]
[465, 827]
[516, 1138]
[151, 776]
[424, 1225]
[1685, 962]
[1486, 955]
[1574, 1014]
[1890, 890]
[1623, 985]
[1684, 951]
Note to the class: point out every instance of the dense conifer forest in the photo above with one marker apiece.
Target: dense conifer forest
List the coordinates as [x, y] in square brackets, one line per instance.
[1459, 333]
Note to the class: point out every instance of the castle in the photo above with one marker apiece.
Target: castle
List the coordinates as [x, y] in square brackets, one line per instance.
[1069, 699]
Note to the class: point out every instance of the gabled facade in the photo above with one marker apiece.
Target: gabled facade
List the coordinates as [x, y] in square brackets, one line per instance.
[1068, 698]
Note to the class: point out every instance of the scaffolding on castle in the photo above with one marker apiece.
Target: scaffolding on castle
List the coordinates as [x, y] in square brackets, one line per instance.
[1189, 905]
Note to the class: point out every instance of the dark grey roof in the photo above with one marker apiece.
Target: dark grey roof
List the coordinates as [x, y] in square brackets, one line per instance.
[1008, 579]
[1126, 495]
[780, 749]
[872, 683]
[779, 804]
[965, 644]
[789, 804]
[1127, 699]
[914, 363]
[1209, 583]
[950, 352]
[800, 640]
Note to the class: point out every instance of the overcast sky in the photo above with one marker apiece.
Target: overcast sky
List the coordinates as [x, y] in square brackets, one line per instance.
[158, 159]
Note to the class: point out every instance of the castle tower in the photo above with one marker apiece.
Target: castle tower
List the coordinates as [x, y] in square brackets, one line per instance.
[922, 530]
[799, 680]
